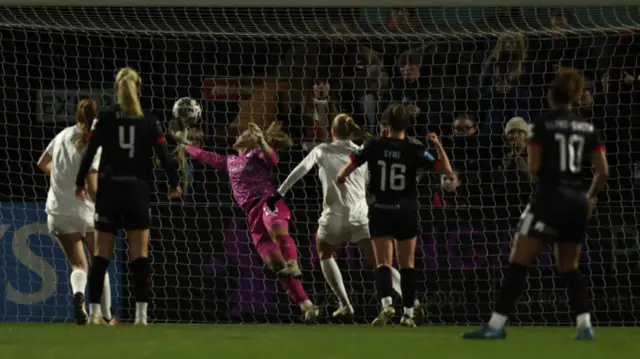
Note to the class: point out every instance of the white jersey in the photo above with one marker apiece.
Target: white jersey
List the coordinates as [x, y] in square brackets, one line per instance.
[348, 200]
[65, 164]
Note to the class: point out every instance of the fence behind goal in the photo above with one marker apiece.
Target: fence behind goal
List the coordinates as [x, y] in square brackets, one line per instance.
[261, 65]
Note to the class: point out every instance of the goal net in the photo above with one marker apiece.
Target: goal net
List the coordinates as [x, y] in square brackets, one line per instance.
[465, 72]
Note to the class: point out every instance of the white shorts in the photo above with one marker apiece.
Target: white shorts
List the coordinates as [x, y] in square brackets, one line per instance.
[62, 224]
[336, 232]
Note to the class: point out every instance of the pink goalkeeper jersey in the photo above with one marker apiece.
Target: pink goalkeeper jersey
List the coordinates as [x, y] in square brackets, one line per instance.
[249, 173]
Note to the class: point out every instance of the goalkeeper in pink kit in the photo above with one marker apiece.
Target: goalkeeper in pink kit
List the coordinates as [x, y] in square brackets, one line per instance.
[249, 173]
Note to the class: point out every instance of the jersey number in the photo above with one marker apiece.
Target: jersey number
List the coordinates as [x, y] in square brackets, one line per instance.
[396, 176]
[571, 149]
[127, 140]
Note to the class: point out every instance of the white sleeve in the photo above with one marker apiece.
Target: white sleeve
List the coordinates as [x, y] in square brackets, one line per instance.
[301, 169]
[50, 146]
[96, 160]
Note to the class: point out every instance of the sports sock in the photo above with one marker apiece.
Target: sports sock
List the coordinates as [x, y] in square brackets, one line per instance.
[96, 280]
[78, 281]
[407, 281]
[383, 284]
[513, 285]
[105, 301]
[577, 292]
[333, 276]
[141, 278]
[497, 321]
[408, 312]
[141, 310]
[395, 281]
[288, 247]
[294, 290]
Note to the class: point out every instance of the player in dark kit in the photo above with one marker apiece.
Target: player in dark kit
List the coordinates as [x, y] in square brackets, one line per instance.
[393, 214]
[128, 138]
[560, 206]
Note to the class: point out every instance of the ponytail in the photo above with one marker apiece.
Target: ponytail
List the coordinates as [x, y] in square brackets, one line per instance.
[128, 83]
[86, 112]
[345, 128]
[276, 138]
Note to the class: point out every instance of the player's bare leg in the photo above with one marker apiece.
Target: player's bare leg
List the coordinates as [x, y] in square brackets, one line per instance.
[71, 244]
[406, 254]
[567, 261]
[138, 241]
[289, 250]
[333, 276]
[97, 274]
[91, 243]
[524, 252]
[383, 247]
[275, 261]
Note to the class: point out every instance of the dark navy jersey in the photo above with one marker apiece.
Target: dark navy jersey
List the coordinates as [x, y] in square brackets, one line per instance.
[393, 165]
[128, 145]
[567, 141]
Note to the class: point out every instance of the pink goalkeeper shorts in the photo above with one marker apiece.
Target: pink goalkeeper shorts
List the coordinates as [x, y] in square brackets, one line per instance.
[261, 219]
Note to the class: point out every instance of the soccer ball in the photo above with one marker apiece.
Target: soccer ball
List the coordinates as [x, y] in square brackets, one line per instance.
[187, 110]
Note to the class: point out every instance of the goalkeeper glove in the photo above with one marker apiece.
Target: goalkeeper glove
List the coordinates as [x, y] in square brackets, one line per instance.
[272, 200]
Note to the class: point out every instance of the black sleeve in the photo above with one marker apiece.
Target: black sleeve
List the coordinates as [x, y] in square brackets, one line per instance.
[95, 136]
[597, 145]
[365, 154]
[160, 146]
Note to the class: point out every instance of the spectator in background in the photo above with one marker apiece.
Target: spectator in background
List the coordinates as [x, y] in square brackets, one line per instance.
[410, 89]
[503, 89]
[403, 20]
[450, 192]
[318, 111]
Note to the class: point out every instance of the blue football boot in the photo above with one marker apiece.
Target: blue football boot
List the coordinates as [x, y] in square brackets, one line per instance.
[485, 333]
[585, 334]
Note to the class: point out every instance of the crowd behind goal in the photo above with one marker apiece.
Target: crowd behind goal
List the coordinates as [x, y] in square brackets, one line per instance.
[394, 118]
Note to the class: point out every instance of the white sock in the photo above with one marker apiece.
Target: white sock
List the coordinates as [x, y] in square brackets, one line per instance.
[105, 301]
[141, 310]
[584, 320]
[306, 304]
[416, 303]
[333, 276]
[78, 281]
[497, 321]
[395, 281]
[408, 312]
[94, 310]
[387, 302]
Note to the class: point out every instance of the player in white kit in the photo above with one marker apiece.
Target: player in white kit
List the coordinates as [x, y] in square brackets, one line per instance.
[345, 210]
[71, 221]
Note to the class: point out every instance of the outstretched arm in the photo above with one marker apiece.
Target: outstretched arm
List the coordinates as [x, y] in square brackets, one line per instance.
[213, 159]
[301, 169]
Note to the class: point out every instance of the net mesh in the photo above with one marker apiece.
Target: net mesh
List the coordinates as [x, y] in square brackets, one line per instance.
[262, 65]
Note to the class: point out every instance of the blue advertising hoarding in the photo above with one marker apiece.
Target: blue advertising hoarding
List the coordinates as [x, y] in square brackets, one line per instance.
[35, 286]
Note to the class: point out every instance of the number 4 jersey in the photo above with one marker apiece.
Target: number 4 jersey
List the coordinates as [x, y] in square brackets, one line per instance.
[567, 142]
[127, 148]
[393, 165]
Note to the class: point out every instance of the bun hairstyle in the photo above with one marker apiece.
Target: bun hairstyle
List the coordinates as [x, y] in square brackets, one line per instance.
[128, 83]
[567, 87]
[277, 138]
[86, 112]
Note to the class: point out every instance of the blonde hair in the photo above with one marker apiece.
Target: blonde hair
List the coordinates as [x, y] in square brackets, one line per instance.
[277, 138]
[343, 126]
[128, 82]
[86, 112]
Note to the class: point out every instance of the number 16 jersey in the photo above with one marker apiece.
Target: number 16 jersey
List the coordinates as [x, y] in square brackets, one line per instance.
[393, 165]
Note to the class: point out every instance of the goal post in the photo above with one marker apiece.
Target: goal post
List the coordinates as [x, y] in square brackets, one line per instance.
[261, 64]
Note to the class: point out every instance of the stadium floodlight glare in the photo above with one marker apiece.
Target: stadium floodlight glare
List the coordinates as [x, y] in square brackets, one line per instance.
[246, 65]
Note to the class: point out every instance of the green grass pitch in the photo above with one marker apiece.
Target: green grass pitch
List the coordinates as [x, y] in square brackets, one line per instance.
[68, 341]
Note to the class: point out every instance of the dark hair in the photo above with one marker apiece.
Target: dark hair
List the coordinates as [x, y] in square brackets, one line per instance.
[86, 112]
[396, 117]
[409, 58]
[567, 87]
